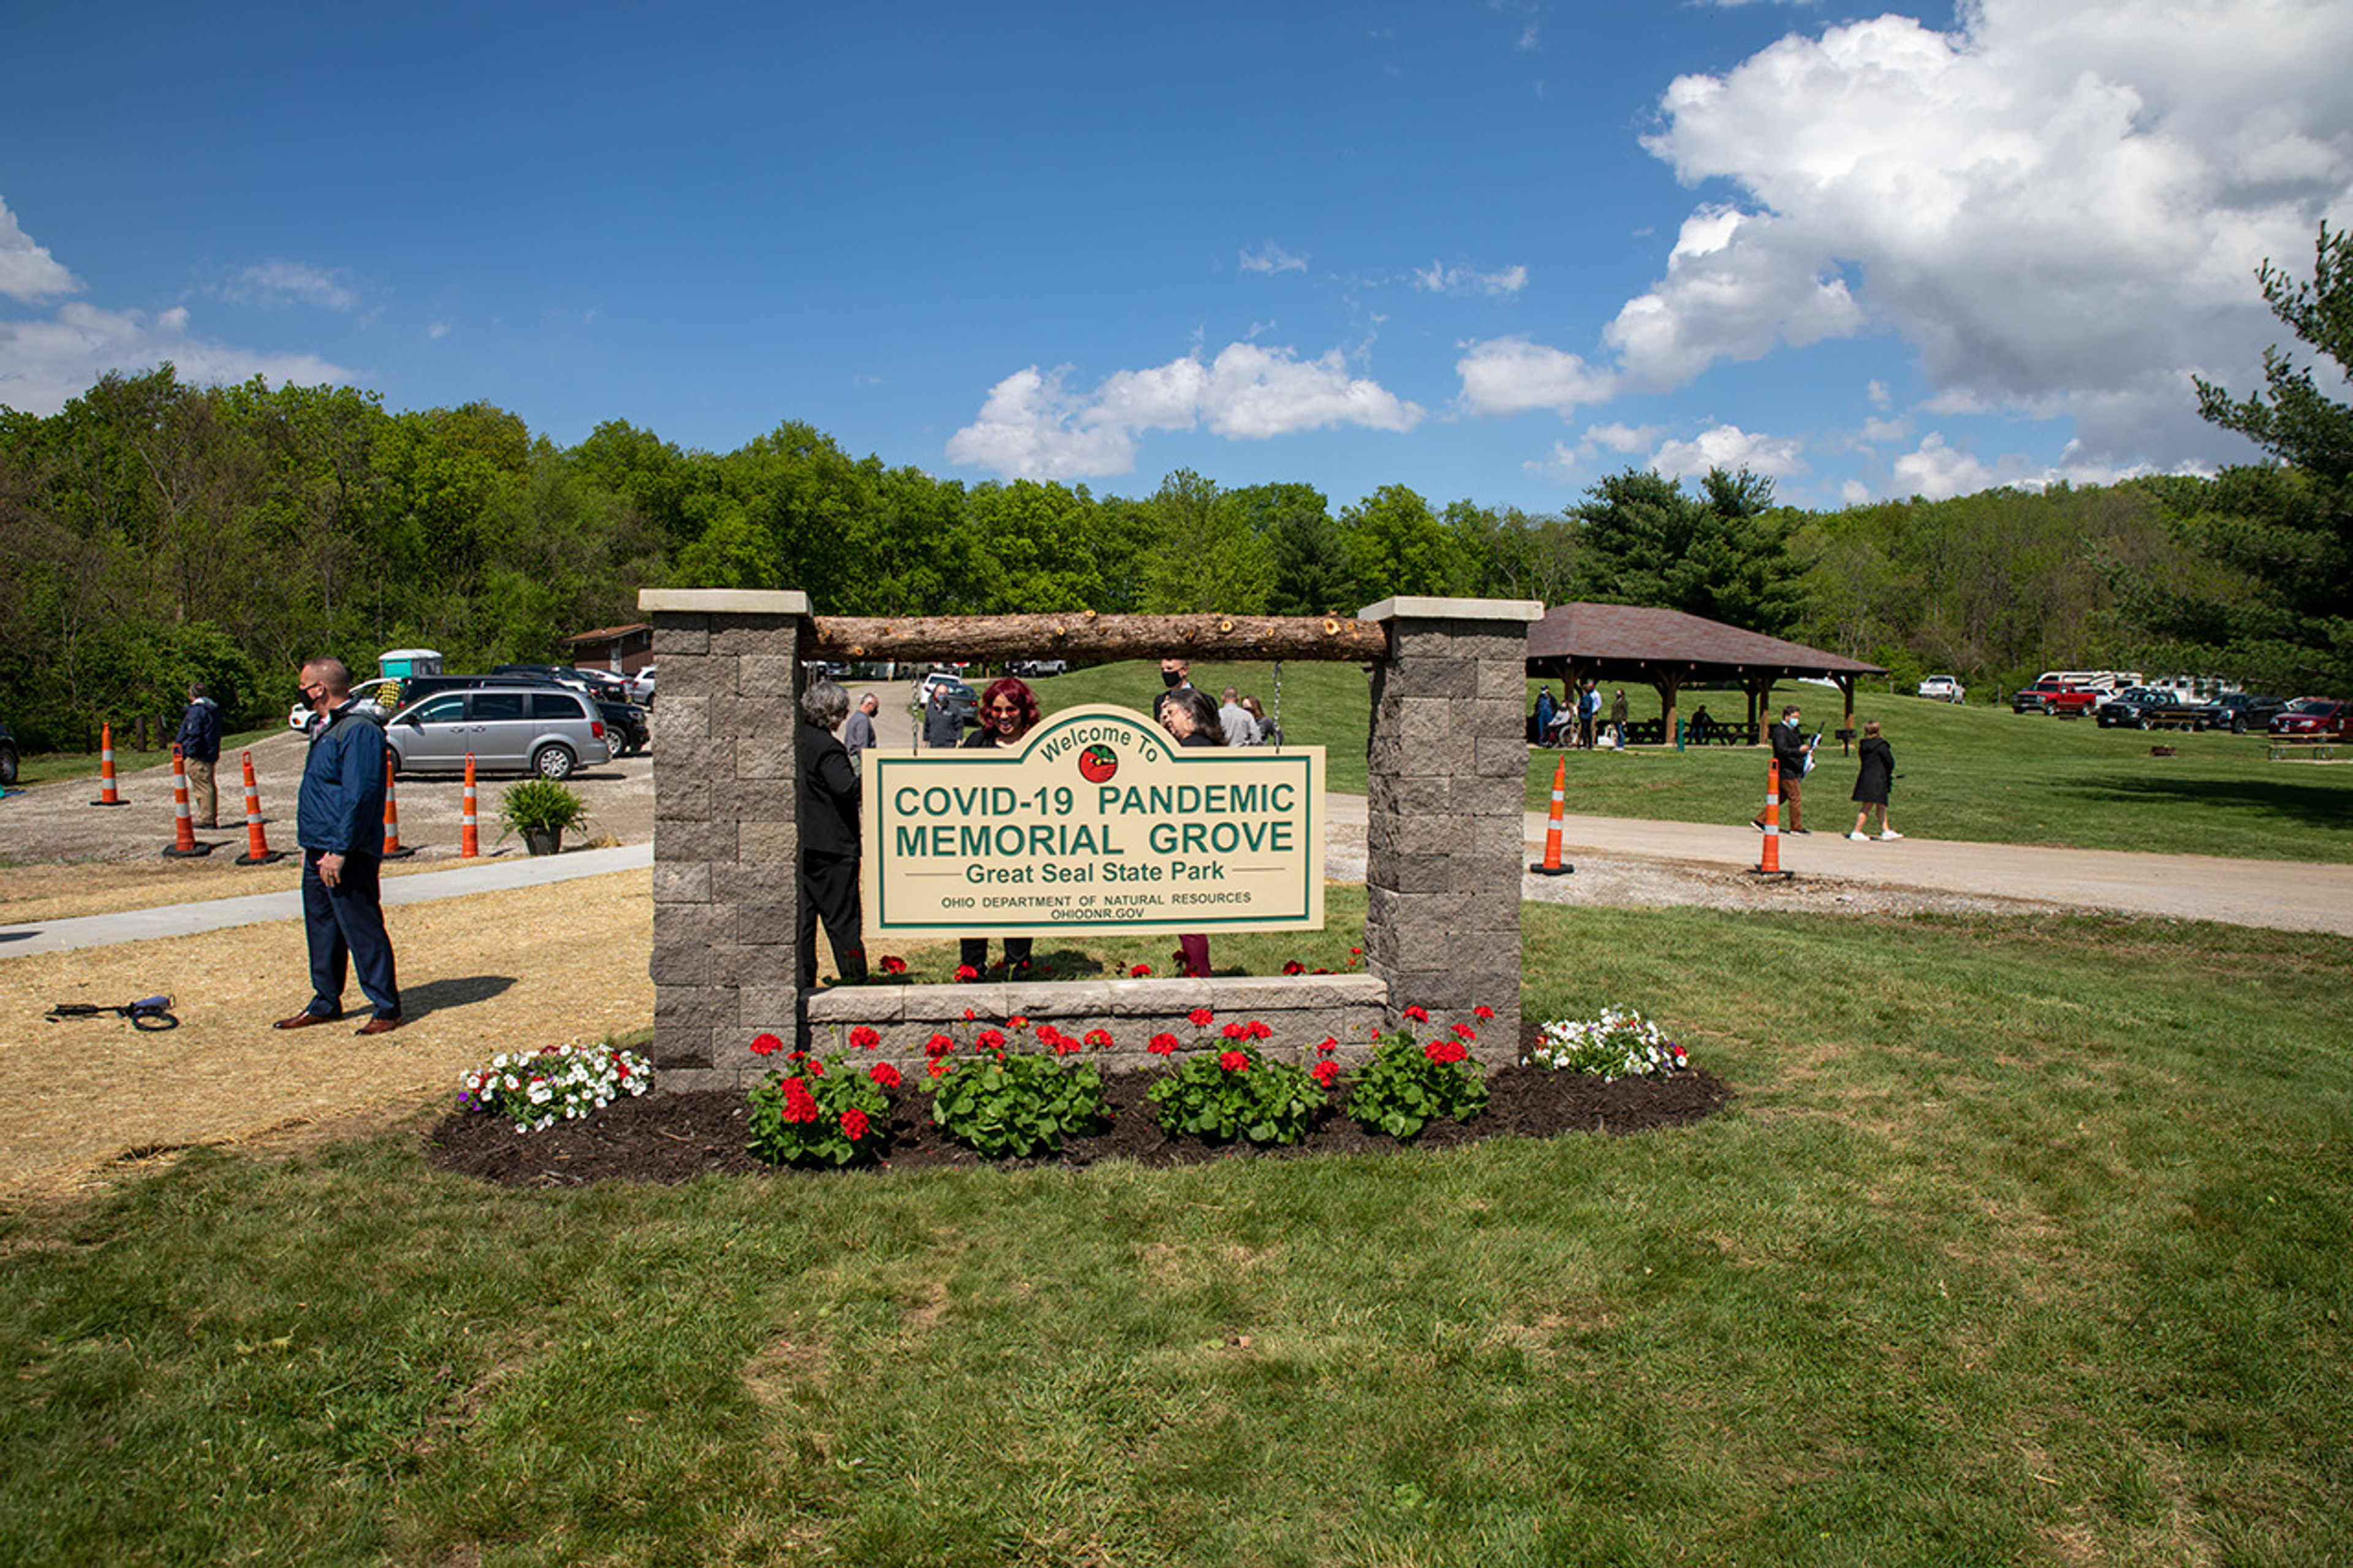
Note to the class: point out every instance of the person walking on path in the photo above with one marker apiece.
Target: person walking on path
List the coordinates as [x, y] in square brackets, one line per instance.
[859, 733]
[1790, 750]
[198, 744]
[339, 825]
[1009, 711]
[830, 795]
[1873, 782]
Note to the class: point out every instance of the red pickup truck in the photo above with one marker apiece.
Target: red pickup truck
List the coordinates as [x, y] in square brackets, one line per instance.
[2054, 697]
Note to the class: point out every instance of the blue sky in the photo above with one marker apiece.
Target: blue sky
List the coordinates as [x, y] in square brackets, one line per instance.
[1489, 250]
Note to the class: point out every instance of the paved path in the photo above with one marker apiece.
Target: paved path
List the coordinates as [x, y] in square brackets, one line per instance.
[2280, 894]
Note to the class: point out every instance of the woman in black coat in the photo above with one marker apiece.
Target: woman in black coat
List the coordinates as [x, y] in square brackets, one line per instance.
[1872, 785]
[830, 845]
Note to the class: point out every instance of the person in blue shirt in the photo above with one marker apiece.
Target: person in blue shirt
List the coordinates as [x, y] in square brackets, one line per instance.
[338, 824]
[200, 743]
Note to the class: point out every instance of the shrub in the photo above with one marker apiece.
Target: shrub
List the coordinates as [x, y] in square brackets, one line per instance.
[1409, 1084]
[815, 1112]
[560, 1083]
[1219, 1093]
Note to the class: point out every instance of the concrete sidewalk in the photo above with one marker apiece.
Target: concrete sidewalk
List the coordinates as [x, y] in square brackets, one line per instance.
[218, 914]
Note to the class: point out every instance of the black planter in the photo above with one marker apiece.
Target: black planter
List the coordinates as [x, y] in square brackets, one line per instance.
[542, 840]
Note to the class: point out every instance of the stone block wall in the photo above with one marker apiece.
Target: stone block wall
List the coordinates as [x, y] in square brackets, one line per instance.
[726, 829]
[1446, 786]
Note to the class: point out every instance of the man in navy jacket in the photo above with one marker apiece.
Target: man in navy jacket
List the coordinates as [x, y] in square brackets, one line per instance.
[339, 823]
[199, 744]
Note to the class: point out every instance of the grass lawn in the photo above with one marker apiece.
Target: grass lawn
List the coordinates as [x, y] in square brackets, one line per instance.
[1977, 773]
[44, 766]
[2024, 1241]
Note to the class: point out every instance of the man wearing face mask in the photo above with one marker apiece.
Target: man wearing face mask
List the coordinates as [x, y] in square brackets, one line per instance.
[1789, 748]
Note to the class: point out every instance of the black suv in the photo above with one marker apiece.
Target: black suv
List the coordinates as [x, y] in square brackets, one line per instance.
[2240, 712]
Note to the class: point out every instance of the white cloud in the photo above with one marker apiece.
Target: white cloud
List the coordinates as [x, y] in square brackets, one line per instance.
[1439, 279]
[1622, 437]
[1031, 425]
[1730, 447]
[1531, 38]
[2060, 206]
[45, 363]
[1937, 471]
[1512, 375]
[1272, 258]
[293, 282]
[28, 271]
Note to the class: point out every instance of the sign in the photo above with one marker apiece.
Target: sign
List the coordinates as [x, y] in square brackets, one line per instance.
[1098, 821]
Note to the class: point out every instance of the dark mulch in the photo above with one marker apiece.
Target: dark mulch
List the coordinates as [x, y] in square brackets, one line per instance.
[665, 1138]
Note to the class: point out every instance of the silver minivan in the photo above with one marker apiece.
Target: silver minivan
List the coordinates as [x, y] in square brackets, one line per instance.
[548, 731]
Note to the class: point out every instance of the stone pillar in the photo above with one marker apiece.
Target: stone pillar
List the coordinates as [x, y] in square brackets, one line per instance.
[1446, 788]
[726, 829]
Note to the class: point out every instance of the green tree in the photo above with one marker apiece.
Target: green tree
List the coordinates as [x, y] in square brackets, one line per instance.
[2282, 530]
[1208, 557]
[1401, 546]
[1724, 554]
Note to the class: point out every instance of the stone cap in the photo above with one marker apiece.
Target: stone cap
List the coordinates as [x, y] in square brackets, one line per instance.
[724, 601]
[1424, 607]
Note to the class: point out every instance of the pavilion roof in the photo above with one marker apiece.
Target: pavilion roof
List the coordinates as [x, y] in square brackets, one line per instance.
[1634, 642]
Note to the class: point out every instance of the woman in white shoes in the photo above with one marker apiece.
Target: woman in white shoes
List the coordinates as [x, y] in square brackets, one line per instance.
[1870, 786]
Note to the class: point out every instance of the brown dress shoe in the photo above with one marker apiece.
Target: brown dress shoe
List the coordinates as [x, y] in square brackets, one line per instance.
[379, 1025]
[305, 1018]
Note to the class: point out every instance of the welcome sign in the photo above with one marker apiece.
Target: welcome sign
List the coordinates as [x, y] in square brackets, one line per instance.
[1097, 822]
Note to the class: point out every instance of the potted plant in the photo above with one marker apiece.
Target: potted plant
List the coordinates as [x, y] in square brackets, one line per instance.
[540, 809]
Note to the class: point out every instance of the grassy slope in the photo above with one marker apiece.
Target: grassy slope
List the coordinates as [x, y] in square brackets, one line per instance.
[1977, 773]
[2024, 1241]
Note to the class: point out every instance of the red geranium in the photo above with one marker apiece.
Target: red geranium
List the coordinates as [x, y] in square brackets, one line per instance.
[1325, 1072]
[941, 1067]
[1293, 966]
[1164, 1046]
[799, 1104]
[1139, 972]
[893, 965]
[884, 1074]
[938, 1046]
[864, 1037]
[1445, 1051]
[766, 1045]
[1329, 1046]
[1418, 1014]
[853, 1123]
[1099, 1038]
[1482, 1014]
[1018, 1021]
[989, 1040]
[1465, 1032]
[1236, 1031]
[816, 1068]
[966, 971]
[1199, 1017]
[1259, 1031]
[1234, 1061]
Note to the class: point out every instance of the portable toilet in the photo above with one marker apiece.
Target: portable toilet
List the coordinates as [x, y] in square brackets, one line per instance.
[407, 661]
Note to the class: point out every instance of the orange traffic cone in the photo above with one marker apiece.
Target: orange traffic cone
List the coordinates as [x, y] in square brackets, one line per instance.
[258, 851]
[1551, 866]
[106, 794]
[183, 825]
[470, 836]
[392, 849]
[1770, 866]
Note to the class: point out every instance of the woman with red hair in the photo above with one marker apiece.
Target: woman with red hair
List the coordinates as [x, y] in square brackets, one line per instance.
[1009, 711]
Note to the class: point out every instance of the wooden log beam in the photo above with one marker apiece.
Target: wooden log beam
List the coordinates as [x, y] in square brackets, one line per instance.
[1086, 634]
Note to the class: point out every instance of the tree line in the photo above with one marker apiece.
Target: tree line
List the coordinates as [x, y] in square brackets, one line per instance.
[154, 532]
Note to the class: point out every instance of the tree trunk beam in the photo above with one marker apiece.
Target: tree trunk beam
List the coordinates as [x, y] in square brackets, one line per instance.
[1086, 634]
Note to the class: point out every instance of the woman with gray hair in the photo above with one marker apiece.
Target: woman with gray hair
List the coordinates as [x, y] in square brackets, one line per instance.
[829, 838]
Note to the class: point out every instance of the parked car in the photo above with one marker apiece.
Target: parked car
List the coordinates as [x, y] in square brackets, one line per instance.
[543, 730]
[1037, 669]
[626, 723]
[2320, 717]
[641, 686]
[8, 759]
[2152, 708]
[937, 677]
[2054, 697]
[2240, 712]
[1941, 688]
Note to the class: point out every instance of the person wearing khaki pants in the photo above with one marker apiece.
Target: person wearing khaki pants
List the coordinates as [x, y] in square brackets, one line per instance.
[198, 745]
